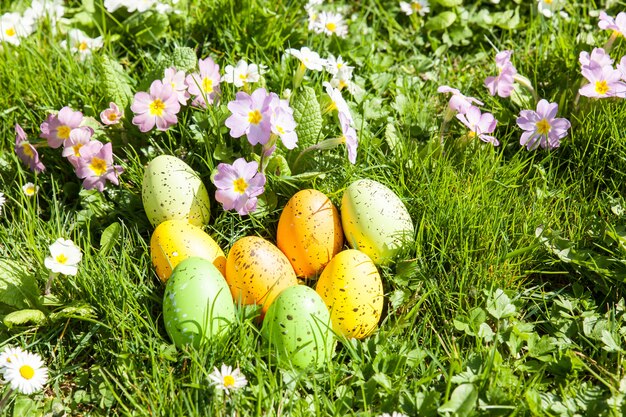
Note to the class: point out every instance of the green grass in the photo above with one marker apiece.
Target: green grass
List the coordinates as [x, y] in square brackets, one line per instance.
[443, 337]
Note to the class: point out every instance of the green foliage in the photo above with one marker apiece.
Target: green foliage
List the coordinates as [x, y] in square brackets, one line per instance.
[117, 86]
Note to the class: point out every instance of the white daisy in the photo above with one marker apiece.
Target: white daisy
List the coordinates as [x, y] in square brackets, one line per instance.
[26, 373]
[331, 24]
[30, 189]
[65, 257]
[81, 43]
[228, 379]
[9, 355]
[310, 59]
[416, 6]
[334, 65]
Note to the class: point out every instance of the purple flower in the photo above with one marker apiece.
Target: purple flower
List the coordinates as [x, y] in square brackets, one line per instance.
[72, 147]
[617, 24]
[159, 107]
[177, 80]
[238, 185]
[349, 137]
[282, 122]
[621, 67]
[479, 124]
[27, 152]
[337, 101]
[56, 129]
[598, 56]
[204, 85]
[251, 116]
[112, 115]
[502, 84]
[603, 82]
[96, 167]
[541, 127]
[458, 102]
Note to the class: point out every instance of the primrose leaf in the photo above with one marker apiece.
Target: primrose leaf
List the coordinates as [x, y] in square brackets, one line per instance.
[308, 116]
[147, 27]
[462, 401]
[20, 317]
[18, 289]
[116, 83]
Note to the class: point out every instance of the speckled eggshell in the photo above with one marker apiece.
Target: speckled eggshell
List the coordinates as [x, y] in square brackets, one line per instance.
[171, 189]
[351, 287]
[298, 329]
[197, 303]
[257, 271]
[309, 232]
[176, 240]
[374, 219]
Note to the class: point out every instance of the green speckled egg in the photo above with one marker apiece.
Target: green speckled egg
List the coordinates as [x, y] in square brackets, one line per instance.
[351, 287]
[172, 190]
[374, 220]
[298, 329]
[197, 303]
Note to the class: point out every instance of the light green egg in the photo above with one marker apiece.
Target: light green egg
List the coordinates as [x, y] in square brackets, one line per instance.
[197, 303]
[172, 190]
[298, 330]
[375, 220]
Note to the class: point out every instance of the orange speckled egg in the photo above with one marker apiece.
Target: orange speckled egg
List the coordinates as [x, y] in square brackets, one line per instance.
[176, 240]
[257, 271]
[351, 287]
[309, 232]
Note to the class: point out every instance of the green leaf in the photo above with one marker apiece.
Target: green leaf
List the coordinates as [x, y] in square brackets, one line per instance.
[25, 407]
[20, 317]
[308, 116]
[109, 237]
[610, 344]
[441, 21]
[79, 309]
[462, 401]
[500, 306]
[117, 87]
[147, 27]
[18, 289]
[450, 3]
[278, 166]
[507, 20]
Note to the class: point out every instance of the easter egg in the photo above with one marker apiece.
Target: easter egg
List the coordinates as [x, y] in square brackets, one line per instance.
[353, 291]
[297, 327]
[176, 240]
[171, 189]
[309, 232]
[375, 221]
[197, 304]
[257, 271]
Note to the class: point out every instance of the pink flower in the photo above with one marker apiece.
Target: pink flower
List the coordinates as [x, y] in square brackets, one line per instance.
[541, 127]
[479, 124]
[56, 129]
[177, 80]
[349, 137]
[621, 67]
[458, 102]
[204, 85]
[251, 116]
[502, 84]
[609, 23]
[282, 122]
[159, 107]
[598, 56]
[603, 82]
[72, 147]
[112, 115]
[27, 152]
[239, 185]
[96, 167]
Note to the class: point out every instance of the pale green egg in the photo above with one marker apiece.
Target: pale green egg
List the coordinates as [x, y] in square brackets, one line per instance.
[172, 190]
[197, 303]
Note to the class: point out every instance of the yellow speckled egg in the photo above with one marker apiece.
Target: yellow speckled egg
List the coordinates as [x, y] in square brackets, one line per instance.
[171, 189]
[257, 271]
[309, 232]
[176, 240]
[351, 287]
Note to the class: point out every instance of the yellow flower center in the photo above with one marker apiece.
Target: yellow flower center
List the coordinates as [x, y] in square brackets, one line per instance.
[416, 6]
[28, 151]
[240, 185]
[63, 132]
[342, 85]
[229, 381]
[82, 46]
[30, 190]
[280, 129]
[157, 107]
[243, 76]
[339, 65]
[543, 127]
[76, 149]
[98, 166]
[207, 85]
[602, 87]
[331, 26]
[255, 117]
[10, 32]
[112, 117]
[471, 134]
[27, 372]
[61, 258]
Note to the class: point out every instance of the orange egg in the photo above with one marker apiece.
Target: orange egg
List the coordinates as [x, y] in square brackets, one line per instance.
[176, 240]
[309, 232]
[257, 271]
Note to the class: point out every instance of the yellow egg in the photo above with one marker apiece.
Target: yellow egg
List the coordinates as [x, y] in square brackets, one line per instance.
[351, 287]
[309, 232]
[257, 271]
[176, 240]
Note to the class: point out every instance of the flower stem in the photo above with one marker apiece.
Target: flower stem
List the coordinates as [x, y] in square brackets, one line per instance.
[609, 43]
[4, 400]
[51, 278]
[299, 75]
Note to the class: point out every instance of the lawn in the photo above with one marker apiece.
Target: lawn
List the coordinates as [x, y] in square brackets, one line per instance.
[504, 295]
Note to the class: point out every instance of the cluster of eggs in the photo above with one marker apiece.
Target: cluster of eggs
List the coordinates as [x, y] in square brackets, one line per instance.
[203, 285]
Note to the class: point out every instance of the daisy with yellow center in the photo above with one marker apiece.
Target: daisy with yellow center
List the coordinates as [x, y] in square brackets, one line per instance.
[26, 373]
[29, 189]
[227, 379]
[8, 355]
